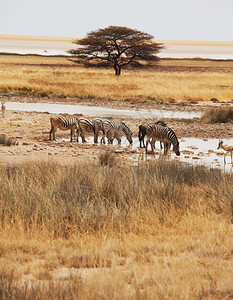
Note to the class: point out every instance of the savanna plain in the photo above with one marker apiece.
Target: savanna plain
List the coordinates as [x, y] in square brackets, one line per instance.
[81, 221]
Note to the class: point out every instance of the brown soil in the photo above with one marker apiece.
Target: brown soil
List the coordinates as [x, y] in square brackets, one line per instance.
[31, 129]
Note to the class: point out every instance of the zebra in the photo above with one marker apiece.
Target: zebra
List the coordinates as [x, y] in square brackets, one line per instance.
[112, 129]
[97, 127]
[142, 132]
[162, 133]
[84, 125]
[63, 123]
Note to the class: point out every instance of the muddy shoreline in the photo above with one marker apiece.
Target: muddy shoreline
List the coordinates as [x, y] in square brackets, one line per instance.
[175, 105]
[31, 129]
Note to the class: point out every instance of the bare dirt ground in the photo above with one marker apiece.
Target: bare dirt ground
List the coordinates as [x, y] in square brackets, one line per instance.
[31, 129]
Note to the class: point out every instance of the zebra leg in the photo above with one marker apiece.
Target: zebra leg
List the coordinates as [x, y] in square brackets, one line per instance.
[52, 132]
[152, 142]
[83, 137]
[117, 136]
[147, 142]
[141, 137]
[96, 136]
[110, 137]
[71, 134]
[165, 145]
[103, 136]
[77, 133]
[143, 142]
[102, 141]
[153, 146]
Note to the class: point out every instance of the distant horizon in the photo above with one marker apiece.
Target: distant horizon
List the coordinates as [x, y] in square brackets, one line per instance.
[70, 39]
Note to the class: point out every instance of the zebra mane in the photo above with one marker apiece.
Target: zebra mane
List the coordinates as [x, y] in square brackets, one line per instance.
[174, 135]
[161, 123]
[125, 128]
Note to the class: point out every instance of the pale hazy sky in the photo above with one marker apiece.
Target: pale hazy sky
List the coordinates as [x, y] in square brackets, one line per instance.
[210, 20]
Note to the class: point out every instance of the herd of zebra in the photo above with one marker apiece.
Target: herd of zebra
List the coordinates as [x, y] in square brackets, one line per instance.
[110, 129]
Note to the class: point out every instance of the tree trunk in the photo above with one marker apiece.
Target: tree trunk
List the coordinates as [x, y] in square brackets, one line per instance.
[117, 69]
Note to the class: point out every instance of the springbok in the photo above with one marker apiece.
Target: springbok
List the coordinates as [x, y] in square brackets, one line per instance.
[226, 148]
[3, 108]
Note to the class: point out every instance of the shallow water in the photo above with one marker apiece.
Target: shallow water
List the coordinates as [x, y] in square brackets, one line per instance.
[97, 111]
[193, 151]
[200, 152]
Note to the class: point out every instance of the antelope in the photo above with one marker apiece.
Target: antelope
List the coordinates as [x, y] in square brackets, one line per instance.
[226, 148]
[3, 108]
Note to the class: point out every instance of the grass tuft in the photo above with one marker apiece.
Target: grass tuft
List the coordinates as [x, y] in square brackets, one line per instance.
[92, 230]
[219, 115]
[107, 158]
[86, 196]
[5, 141]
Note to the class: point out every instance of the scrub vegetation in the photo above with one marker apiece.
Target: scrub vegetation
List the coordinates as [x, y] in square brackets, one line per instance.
[106, 230]
[171, 80]
[101, 227]
[220, 115]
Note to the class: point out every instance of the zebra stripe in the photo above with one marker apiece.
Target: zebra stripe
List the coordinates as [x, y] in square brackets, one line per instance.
[63, 123]
[97, 127]
[142, 132]
[85, 125]
[164, 134]
[112, 129]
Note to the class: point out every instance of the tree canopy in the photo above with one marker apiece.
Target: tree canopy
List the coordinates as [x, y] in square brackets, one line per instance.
[117, 47]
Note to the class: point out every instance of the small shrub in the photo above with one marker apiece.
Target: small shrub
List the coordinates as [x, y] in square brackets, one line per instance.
[214, 100]
[219, 115]
[7, 141]
[107, 158]
[3, 139]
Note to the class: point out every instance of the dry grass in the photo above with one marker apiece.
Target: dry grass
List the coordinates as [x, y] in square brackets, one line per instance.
[157, 230]
[220, 115]
[173, 79]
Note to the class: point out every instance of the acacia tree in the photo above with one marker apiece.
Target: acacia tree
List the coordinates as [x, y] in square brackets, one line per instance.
[117, 47]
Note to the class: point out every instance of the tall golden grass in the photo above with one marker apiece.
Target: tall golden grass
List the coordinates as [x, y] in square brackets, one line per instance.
[172, 80]
[159, 230]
